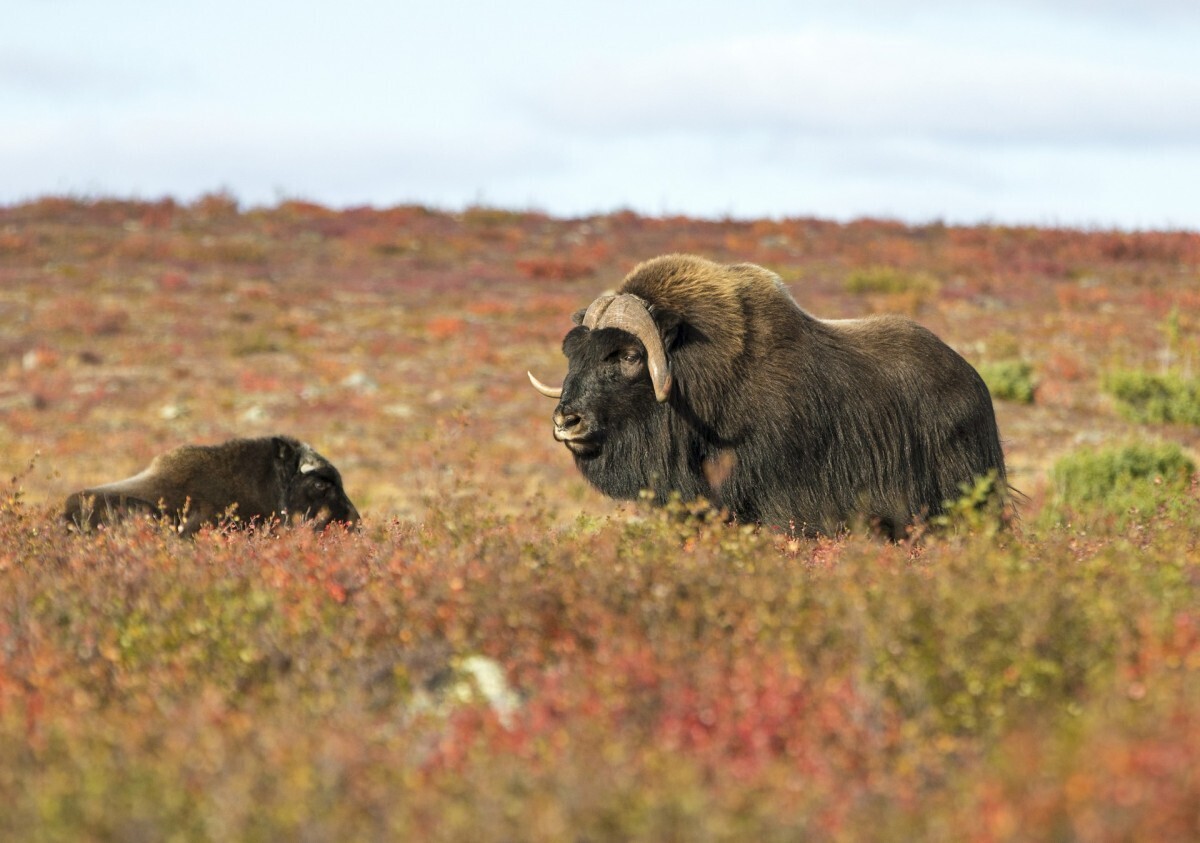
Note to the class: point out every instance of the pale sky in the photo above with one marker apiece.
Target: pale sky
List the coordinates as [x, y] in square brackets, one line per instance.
[1069, 113]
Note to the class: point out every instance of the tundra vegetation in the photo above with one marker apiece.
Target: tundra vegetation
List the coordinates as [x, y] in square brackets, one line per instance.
[501, 652]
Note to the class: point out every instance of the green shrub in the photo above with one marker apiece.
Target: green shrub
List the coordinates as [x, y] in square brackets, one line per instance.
[1143, 397]
[1117, 480]
[1009, 380]
[982, 509]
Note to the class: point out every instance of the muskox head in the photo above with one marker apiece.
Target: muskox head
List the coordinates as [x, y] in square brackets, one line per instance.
[312, 486]
[618, 369]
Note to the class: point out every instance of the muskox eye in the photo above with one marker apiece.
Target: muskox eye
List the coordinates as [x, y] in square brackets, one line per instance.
[631, 357]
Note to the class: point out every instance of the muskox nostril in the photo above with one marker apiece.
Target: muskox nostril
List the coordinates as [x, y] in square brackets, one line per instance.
[566, 421]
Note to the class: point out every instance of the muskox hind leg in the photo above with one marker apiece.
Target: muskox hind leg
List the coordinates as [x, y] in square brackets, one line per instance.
[87, 510]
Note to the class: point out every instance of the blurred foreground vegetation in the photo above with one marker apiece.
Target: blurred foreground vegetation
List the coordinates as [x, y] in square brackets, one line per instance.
[502, 653]
[657, 675]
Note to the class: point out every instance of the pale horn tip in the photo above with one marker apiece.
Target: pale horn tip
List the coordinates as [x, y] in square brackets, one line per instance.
[548, 391]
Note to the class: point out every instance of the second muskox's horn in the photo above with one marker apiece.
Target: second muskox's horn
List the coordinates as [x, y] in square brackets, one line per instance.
[548, 391]
[629, 313]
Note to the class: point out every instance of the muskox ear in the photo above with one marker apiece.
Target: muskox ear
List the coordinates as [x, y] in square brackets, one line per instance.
[285, 451]
[669, 324]
[577, 316]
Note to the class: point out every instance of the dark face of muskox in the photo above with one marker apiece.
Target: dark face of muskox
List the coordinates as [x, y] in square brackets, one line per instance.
[607, 390]
[614, 404]
[313, 489]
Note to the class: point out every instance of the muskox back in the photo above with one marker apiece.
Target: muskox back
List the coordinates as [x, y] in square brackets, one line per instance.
[241, 481]
[766, 410]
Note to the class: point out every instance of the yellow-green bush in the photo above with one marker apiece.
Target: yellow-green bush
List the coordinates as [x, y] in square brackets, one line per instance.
[1145, 397]
[1009, 380]
[1113, 481]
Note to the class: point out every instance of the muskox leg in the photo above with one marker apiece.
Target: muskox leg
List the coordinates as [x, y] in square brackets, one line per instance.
[80, 511]
[190, 524]
[88, 511]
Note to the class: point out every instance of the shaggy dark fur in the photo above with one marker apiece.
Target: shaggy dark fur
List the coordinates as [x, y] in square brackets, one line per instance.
[777, 416]
[242, 480]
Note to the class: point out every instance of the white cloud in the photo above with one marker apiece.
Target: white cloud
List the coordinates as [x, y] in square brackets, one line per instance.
[837, 83]
[29, 75]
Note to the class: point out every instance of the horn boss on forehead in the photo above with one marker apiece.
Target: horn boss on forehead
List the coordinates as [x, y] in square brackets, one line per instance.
[630, 314]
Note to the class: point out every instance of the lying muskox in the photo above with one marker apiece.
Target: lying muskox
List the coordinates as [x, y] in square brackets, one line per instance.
[709, 381]
[240, 481]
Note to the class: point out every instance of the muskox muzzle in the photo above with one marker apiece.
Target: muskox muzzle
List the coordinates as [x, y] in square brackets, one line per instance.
[575, 431]
[315, 494]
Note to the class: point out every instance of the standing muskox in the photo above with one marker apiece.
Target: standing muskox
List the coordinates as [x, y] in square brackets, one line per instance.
[242, 480]
[709, 381]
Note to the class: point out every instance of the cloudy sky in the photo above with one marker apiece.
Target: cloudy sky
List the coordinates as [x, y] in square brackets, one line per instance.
[1075, 112]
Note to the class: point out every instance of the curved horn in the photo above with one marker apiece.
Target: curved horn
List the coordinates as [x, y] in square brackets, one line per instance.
[629, 313]
[548, 391]
[595, 310]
